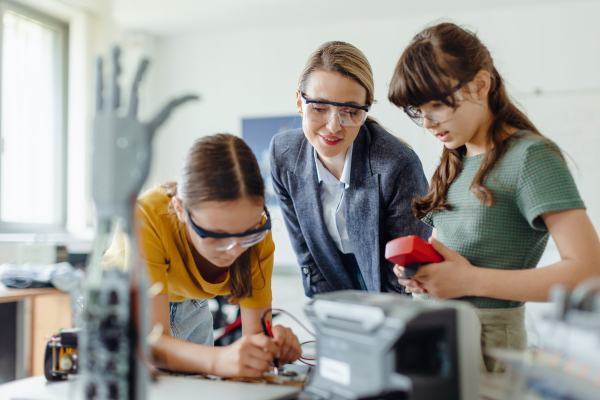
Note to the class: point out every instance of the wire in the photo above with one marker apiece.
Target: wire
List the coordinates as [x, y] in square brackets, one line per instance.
[294, 318]
[310, 341]
[302, 344]
[304, 362]
[301, 359]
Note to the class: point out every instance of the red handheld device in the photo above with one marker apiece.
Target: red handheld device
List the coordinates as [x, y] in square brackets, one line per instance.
[411, 252]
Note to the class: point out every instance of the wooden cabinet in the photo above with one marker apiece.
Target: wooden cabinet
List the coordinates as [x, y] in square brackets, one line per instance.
[41, 313]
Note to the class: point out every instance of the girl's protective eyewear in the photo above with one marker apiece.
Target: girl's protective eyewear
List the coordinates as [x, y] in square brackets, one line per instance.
[437, 113]
[225, 241]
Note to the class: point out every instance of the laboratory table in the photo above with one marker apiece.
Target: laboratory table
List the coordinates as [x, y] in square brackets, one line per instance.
[167, 387]
[186, 388]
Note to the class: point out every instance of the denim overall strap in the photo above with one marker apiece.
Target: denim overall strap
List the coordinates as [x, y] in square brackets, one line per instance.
[191, 320]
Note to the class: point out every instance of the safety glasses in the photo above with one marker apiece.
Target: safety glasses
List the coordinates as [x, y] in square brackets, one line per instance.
[321, 111]
[435, 111]
[225, 241]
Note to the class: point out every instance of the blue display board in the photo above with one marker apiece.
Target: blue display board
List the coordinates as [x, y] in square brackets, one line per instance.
[257, 132]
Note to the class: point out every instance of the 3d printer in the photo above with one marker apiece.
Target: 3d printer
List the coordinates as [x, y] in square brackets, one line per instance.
[381, 345]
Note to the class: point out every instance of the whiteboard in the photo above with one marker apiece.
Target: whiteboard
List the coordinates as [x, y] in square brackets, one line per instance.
[572, 120]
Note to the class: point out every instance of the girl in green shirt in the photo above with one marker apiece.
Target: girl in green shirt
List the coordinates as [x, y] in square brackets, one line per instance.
[500, 190]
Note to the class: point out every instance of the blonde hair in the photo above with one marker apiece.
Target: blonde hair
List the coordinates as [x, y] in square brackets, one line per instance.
[345, 59]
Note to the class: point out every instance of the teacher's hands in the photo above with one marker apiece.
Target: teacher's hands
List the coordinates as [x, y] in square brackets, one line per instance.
[448, 279]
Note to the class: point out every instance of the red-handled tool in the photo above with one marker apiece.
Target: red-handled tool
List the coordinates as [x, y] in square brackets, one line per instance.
[411, 252]
[266, 325]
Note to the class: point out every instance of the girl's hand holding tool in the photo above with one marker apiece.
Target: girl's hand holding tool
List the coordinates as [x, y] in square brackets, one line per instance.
[449, 279]
[249, 356]
[288, 344]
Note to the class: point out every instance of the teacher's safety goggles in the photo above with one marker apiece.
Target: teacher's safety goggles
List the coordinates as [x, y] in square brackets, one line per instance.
[226, 241]
[321, 111]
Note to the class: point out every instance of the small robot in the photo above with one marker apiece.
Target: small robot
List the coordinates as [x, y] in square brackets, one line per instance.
[61, 357]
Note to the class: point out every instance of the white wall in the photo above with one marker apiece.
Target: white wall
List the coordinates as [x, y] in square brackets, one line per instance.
[252, 73]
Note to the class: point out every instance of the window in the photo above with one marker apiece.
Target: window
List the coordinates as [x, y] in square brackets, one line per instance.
[33, 50]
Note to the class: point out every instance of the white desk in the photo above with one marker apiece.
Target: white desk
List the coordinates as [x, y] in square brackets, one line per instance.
[171, 387]
[167, 387]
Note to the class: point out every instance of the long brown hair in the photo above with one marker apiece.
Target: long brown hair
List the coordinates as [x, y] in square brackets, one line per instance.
[222, 167]
[434, 57]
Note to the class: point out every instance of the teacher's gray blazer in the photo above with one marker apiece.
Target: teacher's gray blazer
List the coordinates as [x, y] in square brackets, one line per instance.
[386, 176]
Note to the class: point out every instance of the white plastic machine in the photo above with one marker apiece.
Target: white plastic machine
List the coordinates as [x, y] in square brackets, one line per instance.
[386, 346]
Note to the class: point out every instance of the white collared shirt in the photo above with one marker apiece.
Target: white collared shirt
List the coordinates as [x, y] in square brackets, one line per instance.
[332, 198]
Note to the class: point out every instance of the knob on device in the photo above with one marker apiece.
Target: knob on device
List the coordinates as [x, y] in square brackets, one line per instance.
[411, 252]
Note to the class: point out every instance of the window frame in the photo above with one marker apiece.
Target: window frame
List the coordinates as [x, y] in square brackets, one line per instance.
[62, 98]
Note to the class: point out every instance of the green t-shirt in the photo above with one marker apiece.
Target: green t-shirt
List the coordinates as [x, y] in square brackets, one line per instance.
[530, 179]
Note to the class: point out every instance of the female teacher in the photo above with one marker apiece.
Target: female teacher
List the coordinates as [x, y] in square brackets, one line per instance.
[344, 184]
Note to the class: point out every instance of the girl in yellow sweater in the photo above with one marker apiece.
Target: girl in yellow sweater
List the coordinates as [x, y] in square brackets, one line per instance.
[209, 234]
